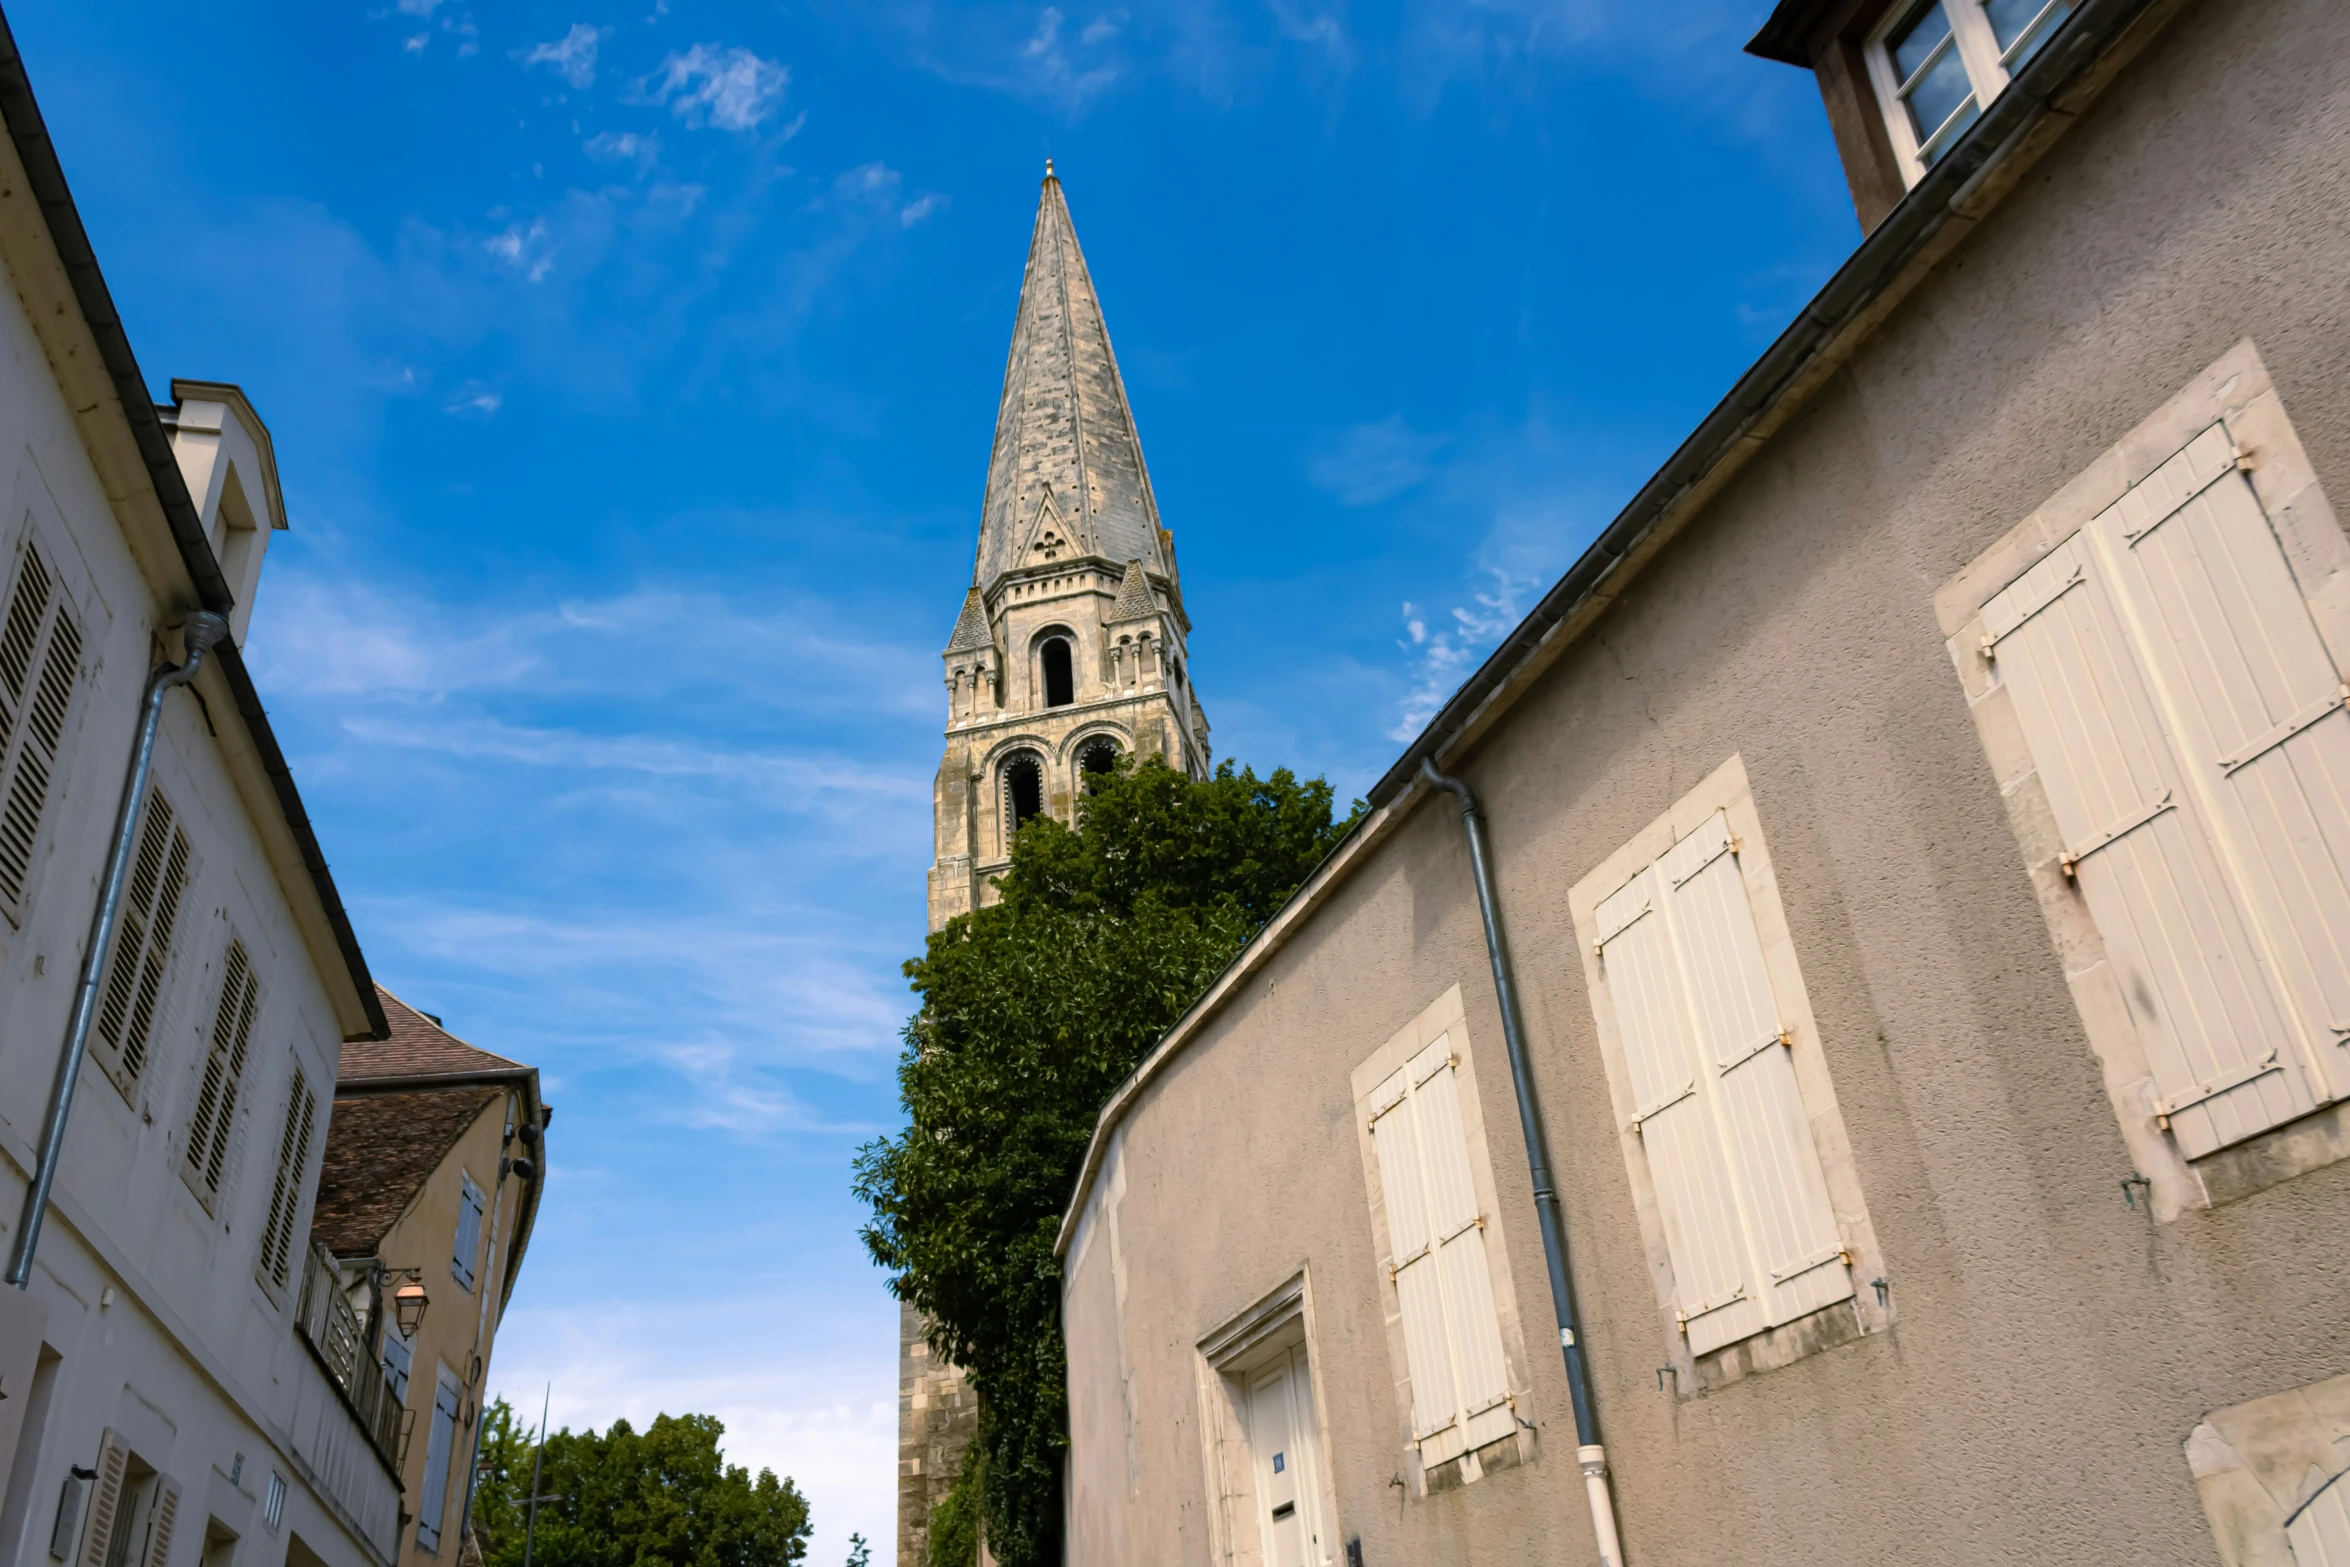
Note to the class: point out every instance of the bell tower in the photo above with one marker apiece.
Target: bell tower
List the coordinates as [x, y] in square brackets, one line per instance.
[1068, 651]
[1069, 647]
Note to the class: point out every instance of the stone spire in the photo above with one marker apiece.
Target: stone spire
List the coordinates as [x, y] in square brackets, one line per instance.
[1066, 478]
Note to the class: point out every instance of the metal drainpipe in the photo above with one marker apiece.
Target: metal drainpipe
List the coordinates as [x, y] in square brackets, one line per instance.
[1588, 1451]
[202, 630]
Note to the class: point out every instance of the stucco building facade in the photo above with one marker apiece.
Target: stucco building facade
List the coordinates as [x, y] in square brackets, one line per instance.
[1919, 848]
[168, 1400]
[1068, 652]
[435, 1163]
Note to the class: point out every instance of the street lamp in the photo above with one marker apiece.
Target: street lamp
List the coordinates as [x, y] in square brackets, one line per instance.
[408, 1303]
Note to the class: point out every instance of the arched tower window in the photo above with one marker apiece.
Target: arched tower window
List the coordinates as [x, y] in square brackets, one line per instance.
[1097, 756]
[1023, 791]
[1060, 680]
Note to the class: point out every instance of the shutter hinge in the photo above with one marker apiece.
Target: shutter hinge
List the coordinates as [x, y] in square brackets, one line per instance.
[1681, 1321]
[1480, 1221]
[1787, 1037]
[2247, 458]
[1846, 1254]
[1989, 648]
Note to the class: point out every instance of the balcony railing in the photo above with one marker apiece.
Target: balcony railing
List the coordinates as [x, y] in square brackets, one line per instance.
[334, 1332]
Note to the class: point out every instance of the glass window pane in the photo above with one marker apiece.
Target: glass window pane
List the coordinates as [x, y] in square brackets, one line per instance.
[1916, 39]
[1966, 116]
[2023, 26]
[1939, 92]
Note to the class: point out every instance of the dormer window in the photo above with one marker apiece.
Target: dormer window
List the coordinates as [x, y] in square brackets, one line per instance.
[1936, 65]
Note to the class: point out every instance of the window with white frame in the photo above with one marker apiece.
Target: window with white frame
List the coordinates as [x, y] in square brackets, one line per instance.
[40, 662]
[1937, 64]
[1453, 1321]
[133, 1003]
[213, 1123]
[2172, 662]
[275, 1265]
[1714, 1068]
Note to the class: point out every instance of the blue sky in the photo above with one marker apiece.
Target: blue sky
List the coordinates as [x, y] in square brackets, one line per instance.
[632, 365]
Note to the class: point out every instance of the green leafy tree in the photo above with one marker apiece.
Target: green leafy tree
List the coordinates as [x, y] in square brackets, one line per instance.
[1032, 1011]
[503, 1465]
[860, 1554]
[662, 1497]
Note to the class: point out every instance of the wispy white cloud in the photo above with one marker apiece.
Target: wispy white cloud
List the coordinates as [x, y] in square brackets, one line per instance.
[1441, 649]
[731, 89]
[474, 400]
[1371, 463]
[624, 147]
[573, 55]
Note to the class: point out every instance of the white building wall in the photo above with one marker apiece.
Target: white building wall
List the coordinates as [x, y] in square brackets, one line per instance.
[161, 1328]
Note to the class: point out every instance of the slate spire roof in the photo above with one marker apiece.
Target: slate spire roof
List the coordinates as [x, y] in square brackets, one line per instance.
[971, 628]
[1066, 477]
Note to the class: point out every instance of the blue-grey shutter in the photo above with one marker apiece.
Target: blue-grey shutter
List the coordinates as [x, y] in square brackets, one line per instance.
[468, 1233]
[442, 1437]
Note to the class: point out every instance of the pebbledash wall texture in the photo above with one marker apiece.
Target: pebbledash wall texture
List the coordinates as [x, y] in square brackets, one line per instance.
[1068, 652]
[1895, 714]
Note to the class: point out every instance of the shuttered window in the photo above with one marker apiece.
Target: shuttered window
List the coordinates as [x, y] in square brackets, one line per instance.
[2188, 727]
[1436, 1236]
[468, 1247]
[162, 1516]
[438, 1443]
[106, 1499]
[398, 1360]
[285, 1192]
[1718, 1115]
[40, 658]
[212, 1125]
[132, 1001]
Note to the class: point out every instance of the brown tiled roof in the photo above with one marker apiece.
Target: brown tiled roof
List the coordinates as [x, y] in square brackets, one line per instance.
[379, 1150]
[416, 1046]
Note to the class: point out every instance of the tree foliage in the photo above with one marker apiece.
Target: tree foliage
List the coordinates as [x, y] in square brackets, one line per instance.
[662, 1497]
[1032, 1011]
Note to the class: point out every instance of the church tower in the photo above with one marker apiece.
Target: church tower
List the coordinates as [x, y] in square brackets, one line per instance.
[1069, 649]
[1068, 652]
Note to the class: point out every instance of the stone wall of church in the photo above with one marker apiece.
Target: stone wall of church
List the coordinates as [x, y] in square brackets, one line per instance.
[938, 1415]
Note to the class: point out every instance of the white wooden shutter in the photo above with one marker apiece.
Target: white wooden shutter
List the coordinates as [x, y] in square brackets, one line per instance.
[1685, 1160]
[1748, 1228]
[1443, 1280]
[285, 1194]
[2319, 1534]
[141, 958]
[40, 659]
[438, 1443]
[163, 1515]
[224, 1074]
[2256, 704]
[105, 1500]
[468, 1247]
[1742, 1042]
[2171, 687]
